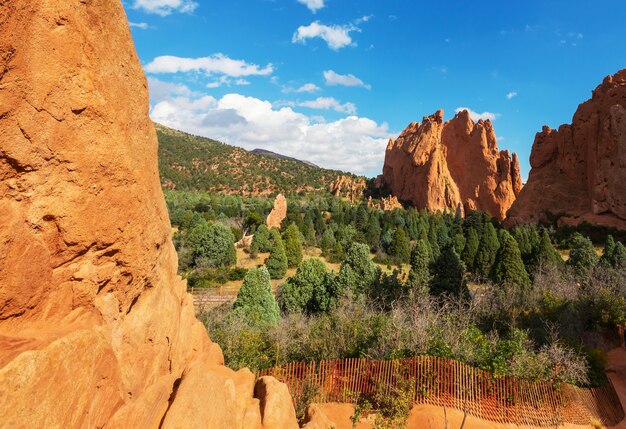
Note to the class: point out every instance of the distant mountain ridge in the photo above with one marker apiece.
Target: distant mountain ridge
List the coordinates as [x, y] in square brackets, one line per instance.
[193, 163]
[265, 152]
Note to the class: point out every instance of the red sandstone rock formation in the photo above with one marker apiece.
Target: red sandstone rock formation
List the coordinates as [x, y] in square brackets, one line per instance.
[350, 188]
[579, 170]
[385, 203]
[452, 165]
[96, 328]
[278, 213]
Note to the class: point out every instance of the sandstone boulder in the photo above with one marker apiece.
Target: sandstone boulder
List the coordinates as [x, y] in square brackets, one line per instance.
[96, 327]
[578, 172]
[348, 187]
[277, 411]
[278, 213]
[453, 165]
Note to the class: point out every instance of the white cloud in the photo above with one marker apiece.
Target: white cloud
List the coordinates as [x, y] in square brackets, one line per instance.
[329, 103]
[160, 90]
[227, 81]
[477, 116]
[213, 64]
[141, 25]
[353, 143]
[336, 36]
[333, 78]
[313, 5]
[307, 87]
[165, 7]
[511, 95]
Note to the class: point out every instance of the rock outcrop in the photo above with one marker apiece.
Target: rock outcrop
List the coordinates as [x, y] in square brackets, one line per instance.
[96, 328]
[385, 203]
[278, 213]
[348, 187]
[579, 171]
[453, 165]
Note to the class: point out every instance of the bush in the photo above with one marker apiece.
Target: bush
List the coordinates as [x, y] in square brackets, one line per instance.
[255, 299]
[276, 263]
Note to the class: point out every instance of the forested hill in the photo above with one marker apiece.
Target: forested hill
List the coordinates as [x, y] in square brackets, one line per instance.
[192, 163]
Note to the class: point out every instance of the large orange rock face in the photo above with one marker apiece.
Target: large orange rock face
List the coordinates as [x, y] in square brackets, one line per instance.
[96, 328]
[579, 170]
[452, 165]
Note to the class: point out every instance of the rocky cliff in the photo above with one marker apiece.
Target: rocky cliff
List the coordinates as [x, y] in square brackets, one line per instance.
[579, 171]
[452, 165]
[96, 328]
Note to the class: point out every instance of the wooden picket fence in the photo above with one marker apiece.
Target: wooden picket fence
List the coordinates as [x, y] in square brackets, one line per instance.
[446, 382]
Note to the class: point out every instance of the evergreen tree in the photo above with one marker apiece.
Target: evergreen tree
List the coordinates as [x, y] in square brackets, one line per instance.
[508, 268]
[308, 231]
[449, 274]
[419, 276]
[361, 217]
[212, 245]
[327, 243]
[619, 256]
[583, 257]
[399, 248]
[487, 250]
[471, 248]
[311, 290]
[432, 239]
[261, 239]
[276, 263]
[546, 252]
[293, 246]
[373, 231]
[255, 299]
[459, 242]
[358, 272]
[609, 250]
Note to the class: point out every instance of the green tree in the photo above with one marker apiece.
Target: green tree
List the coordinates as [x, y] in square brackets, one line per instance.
[449, 274]
[373, 231]
[276, 263]
[619, 256]
[471, 248]
[255, 299]
[293, 246]
[261, 239]
[583, 257]
[419, 276]
[212, 245]
[609, 250]
[309, 290]
[508, 268]
[328, 241]
[487, 250]
[358, 272]
[546, 253]
[399, 248]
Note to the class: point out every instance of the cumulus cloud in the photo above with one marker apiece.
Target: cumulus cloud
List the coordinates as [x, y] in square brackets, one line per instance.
[213, 64]
[353, 143]
[227, 81]
[329, 103]
[307, 87]
[313, 5]
[333, 78]
[511, 95]
[140, 25]
[160, 90]
[476, 116]
[165, 7]
[335, 36]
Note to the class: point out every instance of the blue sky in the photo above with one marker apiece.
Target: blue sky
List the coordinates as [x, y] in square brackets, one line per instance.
[330, 81]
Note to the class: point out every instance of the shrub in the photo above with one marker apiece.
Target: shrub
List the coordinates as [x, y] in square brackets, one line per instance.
[255, 299]
[276, 263]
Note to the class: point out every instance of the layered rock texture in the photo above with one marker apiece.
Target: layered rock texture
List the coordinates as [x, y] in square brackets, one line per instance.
[579, 171]
[96, 328]
[453, 165]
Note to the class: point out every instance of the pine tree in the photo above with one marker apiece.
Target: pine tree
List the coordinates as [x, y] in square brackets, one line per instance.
[487, 250]
[328, 241]
[432, 239]
[470, 249]
[619, 256]
[261, 239]
[449, 274]
[358, 272]
[399, 248]
[546, 252]
[309, 290]
[276, 263]
[212, 245]
[373, 231]
[508, 268]
[459, 243]
[583, 257]
[293, 246]
[419, 276]
[255, 299]
[609, 250]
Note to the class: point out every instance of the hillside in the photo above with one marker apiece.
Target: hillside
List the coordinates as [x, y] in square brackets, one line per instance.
[279, 156]
[188, 162]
